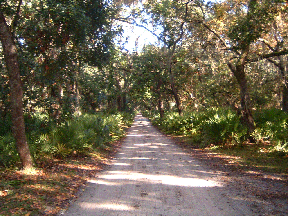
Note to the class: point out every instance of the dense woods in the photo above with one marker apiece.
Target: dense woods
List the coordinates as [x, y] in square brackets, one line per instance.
[217, 58]
[218, 69]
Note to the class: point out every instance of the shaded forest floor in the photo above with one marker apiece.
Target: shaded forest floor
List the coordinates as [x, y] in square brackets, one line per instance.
[51, 187]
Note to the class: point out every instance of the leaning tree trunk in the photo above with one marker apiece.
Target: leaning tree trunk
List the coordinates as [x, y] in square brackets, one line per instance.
[246, 110]
[245, 102]
[174, 90]
[124, 100]
[160, 108]
[16, 93]
[159, 99]
[285, 97]
[176, 97]
[283, 67]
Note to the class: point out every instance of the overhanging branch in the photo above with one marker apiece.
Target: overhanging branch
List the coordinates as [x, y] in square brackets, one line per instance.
[17, 16]
[133, 22]
[268, 55]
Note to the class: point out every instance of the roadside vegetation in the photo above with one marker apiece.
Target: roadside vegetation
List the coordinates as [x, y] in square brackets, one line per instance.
[220, 130]
[65, 156]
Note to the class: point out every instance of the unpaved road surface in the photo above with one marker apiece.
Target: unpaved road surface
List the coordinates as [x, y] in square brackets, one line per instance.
[150, 175]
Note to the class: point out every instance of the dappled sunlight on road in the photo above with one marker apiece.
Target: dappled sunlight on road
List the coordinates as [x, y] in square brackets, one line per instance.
[102, 182]
[107, 206]
[141, 135]
[160, 179]
[145, 144]
[135, 135]
[121, 164]
[152, 176]
[138, 158]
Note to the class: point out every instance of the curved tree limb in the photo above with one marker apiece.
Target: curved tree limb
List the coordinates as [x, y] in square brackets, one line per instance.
[268, 55]
[17, 16]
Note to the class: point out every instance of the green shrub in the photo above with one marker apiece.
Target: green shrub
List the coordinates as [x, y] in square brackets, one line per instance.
[222, 127]
[5, 126]
[128, 118]
[272, 125]
[38, 123]
[77, 136]
[8, 151]
[84, 133]
[212, 126]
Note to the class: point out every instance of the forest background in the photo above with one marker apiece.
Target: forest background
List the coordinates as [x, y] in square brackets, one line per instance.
[216, 78]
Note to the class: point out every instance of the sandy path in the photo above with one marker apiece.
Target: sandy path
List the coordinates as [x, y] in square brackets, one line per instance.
[152, 176]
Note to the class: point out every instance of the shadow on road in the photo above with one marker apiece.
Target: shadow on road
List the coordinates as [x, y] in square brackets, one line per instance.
[152, 176]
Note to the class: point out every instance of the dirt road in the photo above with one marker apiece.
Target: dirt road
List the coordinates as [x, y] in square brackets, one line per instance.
[152, 176]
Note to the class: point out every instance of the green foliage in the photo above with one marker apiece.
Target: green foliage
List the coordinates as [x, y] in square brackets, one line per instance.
[68, 66]
[222, 127]
[77, 136]
[256, 155]
[213, 126]
[127, 118]
[249, 28]
[82, 134]
[37, 122]
[8, 152]
[5, 126]
[173, 123]
[272, 126]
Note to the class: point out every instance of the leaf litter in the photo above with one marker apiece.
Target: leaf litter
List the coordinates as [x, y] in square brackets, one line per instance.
[48, 189]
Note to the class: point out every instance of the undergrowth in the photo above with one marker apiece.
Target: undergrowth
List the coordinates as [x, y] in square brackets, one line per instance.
[213, 126]
[221, 130]
[78, 136]
[66, 155]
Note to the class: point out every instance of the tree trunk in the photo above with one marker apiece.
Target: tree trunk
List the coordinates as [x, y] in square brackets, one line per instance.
[119, 95]
[77, 110]
[124, 100]
[172, 80]
[176, 97]
[119, 103]
[174, 90]
[16, 93]
[160, 108]
[246, 105]
[110, 102]
[160, 102]
[246, 110]
[285, 97]
[283, 67]
[76, 90]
